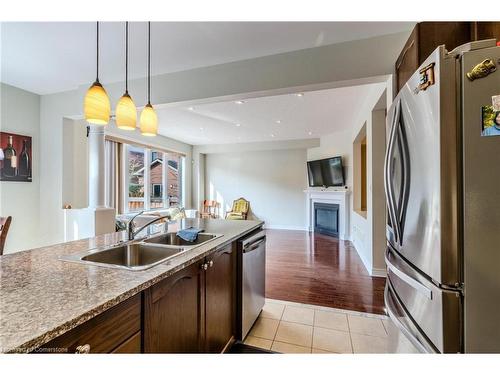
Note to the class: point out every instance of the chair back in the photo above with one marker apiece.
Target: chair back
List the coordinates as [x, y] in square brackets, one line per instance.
[206, 206]
[4, 229]
[241, 205]
[210, 209]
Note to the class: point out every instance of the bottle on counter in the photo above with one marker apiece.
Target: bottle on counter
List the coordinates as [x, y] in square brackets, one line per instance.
[24, 161]
[10, 160]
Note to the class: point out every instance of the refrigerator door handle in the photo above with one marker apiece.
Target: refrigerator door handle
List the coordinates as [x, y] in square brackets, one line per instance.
[387, 175]
[405, 153]
[414, 283]
[393, 306]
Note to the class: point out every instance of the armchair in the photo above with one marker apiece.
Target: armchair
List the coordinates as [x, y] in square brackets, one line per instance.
[239, 211]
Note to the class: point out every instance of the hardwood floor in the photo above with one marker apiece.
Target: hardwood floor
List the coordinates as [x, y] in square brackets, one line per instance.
[320, 270]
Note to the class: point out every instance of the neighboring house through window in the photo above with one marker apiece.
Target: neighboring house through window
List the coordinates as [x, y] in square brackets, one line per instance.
[146, 185]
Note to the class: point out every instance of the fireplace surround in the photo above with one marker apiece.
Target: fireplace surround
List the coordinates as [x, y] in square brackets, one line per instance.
[327, 196]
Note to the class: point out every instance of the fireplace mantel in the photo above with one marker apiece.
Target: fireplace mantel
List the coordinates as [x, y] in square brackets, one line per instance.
[340, 197]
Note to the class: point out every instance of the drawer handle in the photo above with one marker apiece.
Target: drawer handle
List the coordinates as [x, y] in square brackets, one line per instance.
[414, 283]
[83, 349]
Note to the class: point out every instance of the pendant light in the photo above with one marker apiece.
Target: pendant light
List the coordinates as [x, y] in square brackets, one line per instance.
[126, 112]
[149, 120]
[96, 106]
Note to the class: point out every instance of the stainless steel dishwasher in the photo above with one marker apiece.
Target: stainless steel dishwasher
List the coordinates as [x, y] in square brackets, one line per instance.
[251, 280]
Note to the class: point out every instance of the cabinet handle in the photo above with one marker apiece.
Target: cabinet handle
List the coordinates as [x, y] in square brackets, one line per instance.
[83, 349]
[204, 266]
[211, 263]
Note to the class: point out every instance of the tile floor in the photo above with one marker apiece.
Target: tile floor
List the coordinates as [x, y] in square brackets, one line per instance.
[289, 327]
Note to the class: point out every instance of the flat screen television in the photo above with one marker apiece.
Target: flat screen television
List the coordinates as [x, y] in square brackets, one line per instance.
[326, 172]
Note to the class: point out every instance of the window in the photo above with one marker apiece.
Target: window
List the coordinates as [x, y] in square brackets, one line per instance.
[160, 185]
[135, 164]
[156, 180]
[157, 191]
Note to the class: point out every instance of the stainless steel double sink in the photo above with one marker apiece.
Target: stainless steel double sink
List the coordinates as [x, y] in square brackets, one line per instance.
[141, 254]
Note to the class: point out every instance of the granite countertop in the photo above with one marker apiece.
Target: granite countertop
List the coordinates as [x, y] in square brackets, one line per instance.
[42, 297]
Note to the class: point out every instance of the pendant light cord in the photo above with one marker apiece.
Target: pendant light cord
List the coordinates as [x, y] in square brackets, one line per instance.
[126, 57]
[97, 54]
[149, 62]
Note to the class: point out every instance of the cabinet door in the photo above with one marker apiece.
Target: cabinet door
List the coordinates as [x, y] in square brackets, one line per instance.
[174, 313]
[220, 298]
[486, 30]
[408, 60]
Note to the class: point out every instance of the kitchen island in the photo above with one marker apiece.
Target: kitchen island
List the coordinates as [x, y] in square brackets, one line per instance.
[43, 298]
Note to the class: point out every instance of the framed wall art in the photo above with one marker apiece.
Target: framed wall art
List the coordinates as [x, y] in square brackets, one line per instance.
[15, 157]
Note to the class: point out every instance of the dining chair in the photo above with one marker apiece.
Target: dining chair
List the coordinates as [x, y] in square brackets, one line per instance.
[4, 229]
[210, 209]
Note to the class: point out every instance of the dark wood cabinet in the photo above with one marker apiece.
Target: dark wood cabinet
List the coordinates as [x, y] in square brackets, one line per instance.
[174, 312]
[131, 346]
[427, 36]
[112, 330]
[193, 310]
[485, 30]
[220, 292]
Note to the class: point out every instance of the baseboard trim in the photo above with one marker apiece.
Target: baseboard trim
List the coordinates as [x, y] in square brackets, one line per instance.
[284, 227]
[379, 272]
[365, 262]
[375, 272]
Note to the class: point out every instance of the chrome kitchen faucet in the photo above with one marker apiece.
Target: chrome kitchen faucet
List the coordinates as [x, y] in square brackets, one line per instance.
[130, 225]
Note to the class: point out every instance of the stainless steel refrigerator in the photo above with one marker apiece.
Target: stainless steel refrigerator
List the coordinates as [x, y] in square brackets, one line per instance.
[442, 182]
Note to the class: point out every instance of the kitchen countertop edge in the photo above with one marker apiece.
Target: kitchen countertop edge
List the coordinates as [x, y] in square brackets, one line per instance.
[59, 330]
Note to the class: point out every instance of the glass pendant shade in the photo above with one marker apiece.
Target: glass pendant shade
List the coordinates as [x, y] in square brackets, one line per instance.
[149, 121]
[126, 113]
[97, 107]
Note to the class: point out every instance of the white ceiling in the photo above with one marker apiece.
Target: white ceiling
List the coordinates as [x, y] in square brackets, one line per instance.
[312, 115]
[48, 57]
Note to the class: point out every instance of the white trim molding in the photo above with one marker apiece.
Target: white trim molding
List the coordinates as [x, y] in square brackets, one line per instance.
[379, 272]
[340, 197]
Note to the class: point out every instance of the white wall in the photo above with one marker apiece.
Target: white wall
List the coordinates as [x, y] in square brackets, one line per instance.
[75, 164]
[367, 233]
[199, 152]
[273, 181]
[20, 113]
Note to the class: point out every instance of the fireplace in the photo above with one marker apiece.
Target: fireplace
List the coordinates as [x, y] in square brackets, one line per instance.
[339, 197]
[326, 218]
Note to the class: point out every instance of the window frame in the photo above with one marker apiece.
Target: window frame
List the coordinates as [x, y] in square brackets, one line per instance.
[147, 179]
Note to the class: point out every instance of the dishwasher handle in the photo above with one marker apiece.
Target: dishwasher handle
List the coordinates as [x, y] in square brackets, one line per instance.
[250, 240]
[253, 245]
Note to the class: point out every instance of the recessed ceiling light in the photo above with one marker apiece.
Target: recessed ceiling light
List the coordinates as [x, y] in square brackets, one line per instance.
[237, 125]
[272, 135]
[310, 133]
[191, 108]
[278, 121]
[300, 94]
[201, 128]
[239, 102]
